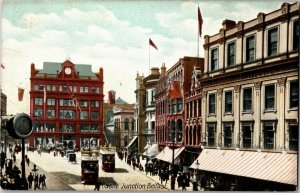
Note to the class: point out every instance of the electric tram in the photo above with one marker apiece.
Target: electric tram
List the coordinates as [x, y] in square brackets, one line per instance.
[107, 157]
[89, 166]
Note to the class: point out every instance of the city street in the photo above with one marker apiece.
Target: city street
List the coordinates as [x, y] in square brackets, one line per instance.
[62, 175]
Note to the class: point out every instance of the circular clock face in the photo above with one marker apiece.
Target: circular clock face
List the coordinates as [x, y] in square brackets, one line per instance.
[68, 70]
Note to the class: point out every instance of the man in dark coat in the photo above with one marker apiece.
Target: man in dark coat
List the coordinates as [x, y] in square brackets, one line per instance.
[30, 179]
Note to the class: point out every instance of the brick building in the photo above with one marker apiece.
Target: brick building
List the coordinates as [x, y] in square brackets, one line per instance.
[66, 103]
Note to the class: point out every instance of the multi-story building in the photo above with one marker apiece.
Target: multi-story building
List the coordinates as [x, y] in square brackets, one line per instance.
[139, 112]
[66, 103]
[149, 82]
[193, 117]
[250, 103]
[169, 108]
[124, 132]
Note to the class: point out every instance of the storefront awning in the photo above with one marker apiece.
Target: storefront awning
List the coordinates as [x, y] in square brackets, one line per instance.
[276, 167]
[166, 154]
[132, 142]
[147, 146]
[152, 151]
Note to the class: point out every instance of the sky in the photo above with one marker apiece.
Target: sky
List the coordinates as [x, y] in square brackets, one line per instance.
[109, 34]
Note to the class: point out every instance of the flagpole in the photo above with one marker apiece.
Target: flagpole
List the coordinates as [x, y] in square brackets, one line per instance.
[198, 36]
[149, 55]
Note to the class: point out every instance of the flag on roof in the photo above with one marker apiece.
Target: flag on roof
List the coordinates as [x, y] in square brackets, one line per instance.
[200, 22]
[20, 94]
[151, 43]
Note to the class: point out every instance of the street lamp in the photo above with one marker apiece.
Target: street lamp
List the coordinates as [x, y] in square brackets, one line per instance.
[173, 149]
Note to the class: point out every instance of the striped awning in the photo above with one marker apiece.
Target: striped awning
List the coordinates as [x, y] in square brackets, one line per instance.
[152, 151]
[131, 142]
[166, 154]
[276, 167]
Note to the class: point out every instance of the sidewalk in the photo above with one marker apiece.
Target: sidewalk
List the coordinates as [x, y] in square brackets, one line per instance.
[52, 182]
[156, 178]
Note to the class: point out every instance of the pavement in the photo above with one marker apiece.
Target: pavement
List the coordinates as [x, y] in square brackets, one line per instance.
[62, 175]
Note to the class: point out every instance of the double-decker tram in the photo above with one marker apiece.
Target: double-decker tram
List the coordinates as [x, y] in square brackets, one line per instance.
[89, 166]
[107, 157]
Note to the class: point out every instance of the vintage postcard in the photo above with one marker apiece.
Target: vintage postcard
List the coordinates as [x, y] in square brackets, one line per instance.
[149, 95]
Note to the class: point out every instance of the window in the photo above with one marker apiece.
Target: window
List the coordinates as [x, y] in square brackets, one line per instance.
[247, 99]
[38, 101]
[83, 103]
[153, 96]
[36, 87]
[270, 97]
[250, 52]
[272, 41]
[296, 35]
[89, 128]
[294, 94]
[66, 102]
[231, 54]
[179, 131]
[293, 137]
[84, 89]
[38, 112]
[269, 132]
[126, 124]
[94, 115]
[48, 87]
[94, 90]
[50, 113]
[83, 114]
[247, 135]
[75, 89]
[228, 102]
[67, 128]
[53, 88]
[63, 88]
[146, 97]
[94, 103]
[50, 102]
[67, 114]
[212, 103]
[50, 127]
[214, 59]
[227, 135]
[174, 106]
[179, 105]
[211, 135]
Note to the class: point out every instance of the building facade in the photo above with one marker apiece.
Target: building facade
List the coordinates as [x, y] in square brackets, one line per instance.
[124, 131]
[250, 94]
[139, 112]
[66, 103]
[150, 82]
[170, 114]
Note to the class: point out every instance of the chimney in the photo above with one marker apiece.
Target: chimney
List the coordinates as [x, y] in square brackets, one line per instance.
[154, 71]
[228, 24]
[163, 70]
[112, 97]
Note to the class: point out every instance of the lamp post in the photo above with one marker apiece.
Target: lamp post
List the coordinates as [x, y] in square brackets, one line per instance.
[173, 144]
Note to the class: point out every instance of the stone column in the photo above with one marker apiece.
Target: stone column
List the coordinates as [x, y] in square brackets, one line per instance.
[257, 130]
[280, 103]
[219, 115]
[236, 111]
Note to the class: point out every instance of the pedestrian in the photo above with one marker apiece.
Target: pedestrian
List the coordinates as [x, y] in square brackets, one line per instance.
[97, 186]
[184, 182]
[28, 161]
[30, 179]
[44, 181]
[14, 158]
[40, 181]
[36, 181]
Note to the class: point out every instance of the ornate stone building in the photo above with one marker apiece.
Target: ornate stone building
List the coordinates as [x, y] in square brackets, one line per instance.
[250, 102]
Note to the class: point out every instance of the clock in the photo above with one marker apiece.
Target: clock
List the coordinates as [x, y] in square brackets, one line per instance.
[68, 70]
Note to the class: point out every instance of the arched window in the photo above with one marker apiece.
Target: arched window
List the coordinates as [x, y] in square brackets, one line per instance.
[132, 124]
[179, 131]
[187, 135]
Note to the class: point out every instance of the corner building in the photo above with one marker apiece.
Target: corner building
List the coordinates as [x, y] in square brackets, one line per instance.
[250, 103]
[66, 103]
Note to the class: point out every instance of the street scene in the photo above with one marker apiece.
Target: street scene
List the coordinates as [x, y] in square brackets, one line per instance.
[149, 95]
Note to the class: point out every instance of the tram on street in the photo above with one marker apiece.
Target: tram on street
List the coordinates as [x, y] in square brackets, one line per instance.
[89, 166]
[107, 157]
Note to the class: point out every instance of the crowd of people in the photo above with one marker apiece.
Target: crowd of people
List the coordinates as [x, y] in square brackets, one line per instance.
[10, 174]
[156, 167]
